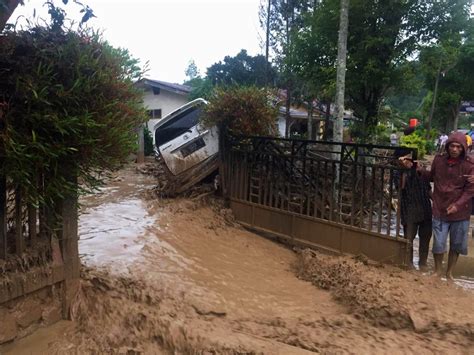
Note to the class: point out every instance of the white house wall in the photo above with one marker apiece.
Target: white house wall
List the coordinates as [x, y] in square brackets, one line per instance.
[166, 101]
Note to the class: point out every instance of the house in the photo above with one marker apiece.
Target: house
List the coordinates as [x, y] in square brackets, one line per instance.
[161, 98]
[295, 123]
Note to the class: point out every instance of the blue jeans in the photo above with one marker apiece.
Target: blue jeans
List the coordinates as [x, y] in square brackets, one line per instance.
[458, 235]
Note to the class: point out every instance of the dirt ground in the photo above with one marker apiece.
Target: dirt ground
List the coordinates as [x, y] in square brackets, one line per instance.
[179, 276]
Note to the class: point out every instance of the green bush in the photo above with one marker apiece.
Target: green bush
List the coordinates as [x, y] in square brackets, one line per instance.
[430, 145]
[68, 106]
[382, 134]
[148, 141]
[241, 110]
[415, 140]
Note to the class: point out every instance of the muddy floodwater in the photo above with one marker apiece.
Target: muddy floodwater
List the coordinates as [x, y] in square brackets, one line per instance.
[179, 276]
[111, 233]
[464, 270]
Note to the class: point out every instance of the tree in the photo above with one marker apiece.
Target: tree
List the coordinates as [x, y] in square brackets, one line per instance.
[448, 73]
[201, 88]
[284, 22]
[192, 71]
[382, 37]
[242, 69]
[437, 60]
[6, 10]
[265, 14]
[341, 70]
[314, 58]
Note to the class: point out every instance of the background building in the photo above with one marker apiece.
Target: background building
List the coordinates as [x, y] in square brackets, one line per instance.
[161, 98]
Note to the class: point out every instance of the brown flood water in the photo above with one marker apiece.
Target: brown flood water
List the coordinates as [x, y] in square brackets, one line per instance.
[464, 270]
[179, 276]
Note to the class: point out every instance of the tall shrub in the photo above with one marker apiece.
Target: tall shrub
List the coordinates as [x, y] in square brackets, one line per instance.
[69, 108]
[242, 110]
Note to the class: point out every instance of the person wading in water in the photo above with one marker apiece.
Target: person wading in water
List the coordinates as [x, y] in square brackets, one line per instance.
[416, 213]
[453, 191]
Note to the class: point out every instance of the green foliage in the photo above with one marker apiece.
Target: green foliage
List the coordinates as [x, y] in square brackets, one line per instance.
[415, 140]
[430, 145]
[383, 36]
[148, 141]
[314, 49]
[465, 121]
[192, 71]
[242, 69]
[241, 110]
[69, 107]
[382, 134]
[453, 62]
[201, 88]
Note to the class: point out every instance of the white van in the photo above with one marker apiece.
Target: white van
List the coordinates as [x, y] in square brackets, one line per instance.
[184, 145]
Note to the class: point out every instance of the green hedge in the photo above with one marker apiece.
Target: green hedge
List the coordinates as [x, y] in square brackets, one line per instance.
[68, 105]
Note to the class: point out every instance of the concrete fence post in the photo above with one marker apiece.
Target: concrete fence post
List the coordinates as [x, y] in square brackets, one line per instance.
[69, 244]
[141, 145]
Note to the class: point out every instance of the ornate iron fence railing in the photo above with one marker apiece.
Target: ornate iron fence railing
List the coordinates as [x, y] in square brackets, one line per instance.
[355, 185]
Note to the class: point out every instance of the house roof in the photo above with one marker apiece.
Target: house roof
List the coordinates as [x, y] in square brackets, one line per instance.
[176, 88]
[294, 113]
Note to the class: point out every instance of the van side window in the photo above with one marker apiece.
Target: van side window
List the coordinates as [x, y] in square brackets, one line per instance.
[178, 125]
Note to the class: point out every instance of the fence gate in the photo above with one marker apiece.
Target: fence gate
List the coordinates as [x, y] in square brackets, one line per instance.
[334, 196]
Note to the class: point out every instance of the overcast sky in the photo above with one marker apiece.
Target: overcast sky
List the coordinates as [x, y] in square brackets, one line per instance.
[170, 33]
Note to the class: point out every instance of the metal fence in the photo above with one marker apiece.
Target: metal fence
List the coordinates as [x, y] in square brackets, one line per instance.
[353, 186]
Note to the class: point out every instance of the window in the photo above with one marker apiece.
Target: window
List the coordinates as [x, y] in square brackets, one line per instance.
[178, 125]
[156, 91]
[154, 113]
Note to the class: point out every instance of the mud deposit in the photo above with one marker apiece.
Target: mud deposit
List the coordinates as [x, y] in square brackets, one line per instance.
[179, 276]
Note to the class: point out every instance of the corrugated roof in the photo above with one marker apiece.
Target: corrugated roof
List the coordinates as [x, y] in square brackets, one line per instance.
[178, 88]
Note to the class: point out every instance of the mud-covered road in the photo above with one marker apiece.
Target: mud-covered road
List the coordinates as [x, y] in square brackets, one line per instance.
[179, 276]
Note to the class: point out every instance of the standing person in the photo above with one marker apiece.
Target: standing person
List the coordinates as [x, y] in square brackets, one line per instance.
[442, 142]
[394, 139]
[416, 212]
[452, 196]
[469, 142]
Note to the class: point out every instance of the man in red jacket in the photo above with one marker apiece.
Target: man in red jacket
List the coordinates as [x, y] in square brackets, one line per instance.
[452, 196]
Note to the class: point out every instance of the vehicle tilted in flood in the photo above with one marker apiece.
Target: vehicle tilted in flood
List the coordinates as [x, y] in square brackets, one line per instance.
[186, 149]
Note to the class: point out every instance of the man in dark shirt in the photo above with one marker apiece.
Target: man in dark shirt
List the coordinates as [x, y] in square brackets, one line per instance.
[416, 210]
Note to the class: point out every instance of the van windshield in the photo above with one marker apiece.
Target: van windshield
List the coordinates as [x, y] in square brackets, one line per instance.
[177, 125]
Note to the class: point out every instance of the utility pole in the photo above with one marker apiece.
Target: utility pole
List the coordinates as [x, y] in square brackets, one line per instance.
[141, 145]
